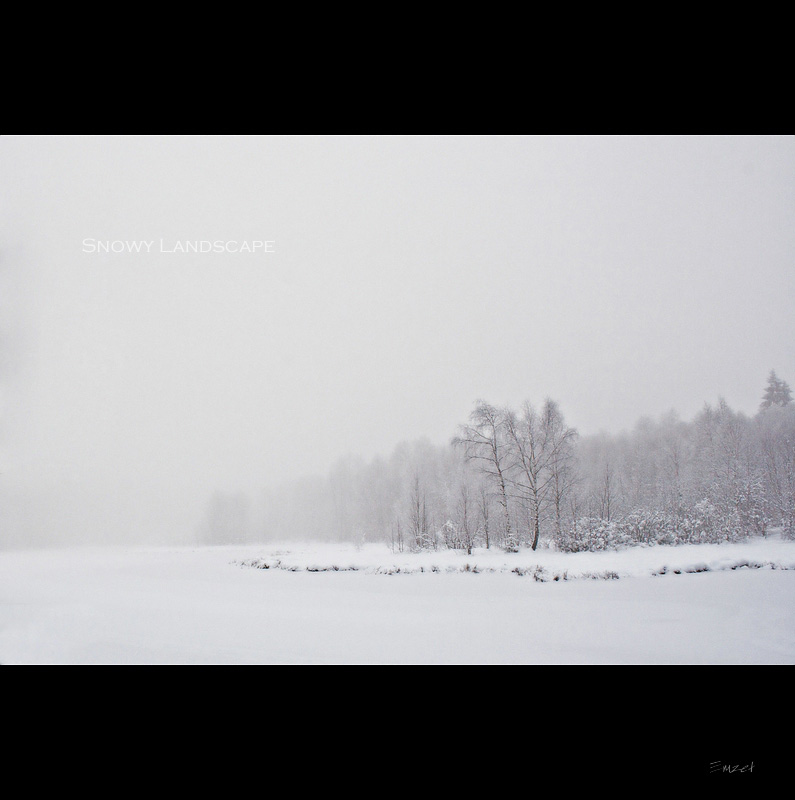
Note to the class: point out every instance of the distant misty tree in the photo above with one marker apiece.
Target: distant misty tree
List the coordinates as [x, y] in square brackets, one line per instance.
[421, 532]
[561, 441]
[778, 392]
[775, 434]
[226, 521]
[466, 524]
[484, 515]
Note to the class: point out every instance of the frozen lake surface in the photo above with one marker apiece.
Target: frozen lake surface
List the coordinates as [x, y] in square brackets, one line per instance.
[202, 606]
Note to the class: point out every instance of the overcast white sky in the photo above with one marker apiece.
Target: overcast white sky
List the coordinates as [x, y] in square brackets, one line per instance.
[622, 275]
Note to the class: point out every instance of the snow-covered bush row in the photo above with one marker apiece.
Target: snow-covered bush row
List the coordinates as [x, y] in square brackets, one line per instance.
[546, 567]
[706, 526]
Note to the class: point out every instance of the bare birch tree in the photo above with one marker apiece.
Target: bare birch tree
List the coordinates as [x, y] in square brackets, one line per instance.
[530, 480]
[485, 445]
[563, 478]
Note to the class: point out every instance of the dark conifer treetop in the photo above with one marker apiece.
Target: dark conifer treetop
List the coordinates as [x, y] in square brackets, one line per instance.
[778, 392]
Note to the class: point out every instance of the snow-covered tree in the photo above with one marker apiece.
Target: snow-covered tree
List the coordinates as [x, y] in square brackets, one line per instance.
[777, 393]
[563, 477]
[484, 443]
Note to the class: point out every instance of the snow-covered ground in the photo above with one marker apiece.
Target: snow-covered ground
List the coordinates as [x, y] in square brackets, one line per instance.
[203, 606]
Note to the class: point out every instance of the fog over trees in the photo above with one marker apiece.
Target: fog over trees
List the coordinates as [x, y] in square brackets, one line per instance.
[524, 478]
[155, 394]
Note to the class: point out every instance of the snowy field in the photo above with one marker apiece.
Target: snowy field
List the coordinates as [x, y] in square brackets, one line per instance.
[318, 604]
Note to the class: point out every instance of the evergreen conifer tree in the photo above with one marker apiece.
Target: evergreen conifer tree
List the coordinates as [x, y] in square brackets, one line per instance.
[777, 393]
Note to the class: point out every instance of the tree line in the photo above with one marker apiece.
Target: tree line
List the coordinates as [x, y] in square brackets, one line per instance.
[524, 478]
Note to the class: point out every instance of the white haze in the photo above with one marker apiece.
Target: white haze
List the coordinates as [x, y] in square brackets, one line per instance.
[622, 275]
